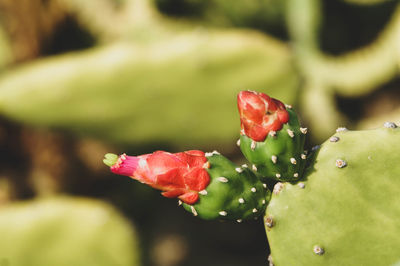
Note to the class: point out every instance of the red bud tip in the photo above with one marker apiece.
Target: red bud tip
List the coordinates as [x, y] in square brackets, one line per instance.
[179, 175]
[260, 114]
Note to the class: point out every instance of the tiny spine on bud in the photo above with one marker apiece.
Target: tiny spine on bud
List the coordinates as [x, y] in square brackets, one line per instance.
[290, 133]
[208, 154]
[222, 179]
[193, 210]
[223, 213]
[274, 159]
[253, 145]
[203, 192]
[293, 160]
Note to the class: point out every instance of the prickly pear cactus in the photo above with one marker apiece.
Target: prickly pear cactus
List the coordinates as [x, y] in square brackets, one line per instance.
[234, 193]
[346, 210]
[207, 184]
[271, 137]
[343, 210]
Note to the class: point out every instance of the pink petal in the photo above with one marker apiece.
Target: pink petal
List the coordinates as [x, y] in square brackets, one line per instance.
[126, 165]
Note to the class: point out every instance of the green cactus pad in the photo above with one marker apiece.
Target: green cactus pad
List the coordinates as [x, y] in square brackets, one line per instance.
[234, 192]
[280, 157]
[347, 211]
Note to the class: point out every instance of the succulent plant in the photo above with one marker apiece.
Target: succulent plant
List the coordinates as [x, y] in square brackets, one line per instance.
[66, 231]
[271, 137]
[208, 184]
[336, 206]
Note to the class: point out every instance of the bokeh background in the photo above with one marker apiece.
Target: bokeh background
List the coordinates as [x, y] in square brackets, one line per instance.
[82, 78]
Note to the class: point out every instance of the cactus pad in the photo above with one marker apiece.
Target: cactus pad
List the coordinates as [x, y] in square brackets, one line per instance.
[280, 156]
[234, 193]
[346, 211]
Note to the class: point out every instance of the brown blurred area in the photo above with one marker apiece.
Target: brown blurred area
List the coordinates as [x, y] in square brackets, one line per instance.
[30, 25]
[40, 161]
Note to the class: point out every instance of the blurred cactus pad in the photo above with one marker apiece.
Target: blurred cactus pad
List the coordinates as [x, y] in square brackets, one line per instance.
[65, 231]
[185, 84]
[143, 63]
[183, 77]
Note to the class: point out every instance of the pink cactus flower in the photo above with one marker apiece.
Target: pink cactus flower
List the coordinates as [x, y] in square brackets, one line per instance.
[180, 175]
[260, 114]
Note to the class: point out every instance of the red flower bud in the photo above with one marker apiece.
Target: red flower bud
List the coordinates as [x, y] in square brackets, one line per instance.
[260, 114]
[180, 175]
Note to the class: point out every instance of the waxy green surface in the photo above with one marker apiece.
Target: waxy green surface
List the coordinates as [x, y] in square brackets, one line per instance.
[283, 146]
[352, 213]
[239, 196]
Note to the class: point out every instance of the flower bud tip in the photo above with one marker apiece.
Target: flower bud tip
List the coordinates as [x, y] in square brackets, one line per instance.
[110, 159]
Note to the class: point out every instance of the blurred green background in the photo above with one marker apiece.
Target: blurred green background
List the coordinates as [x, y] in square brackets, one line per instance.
[82, 78]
